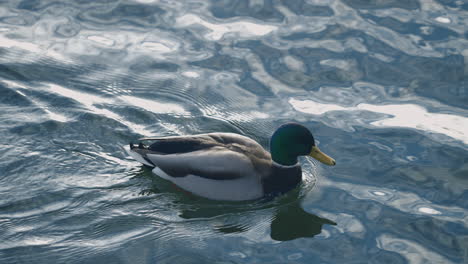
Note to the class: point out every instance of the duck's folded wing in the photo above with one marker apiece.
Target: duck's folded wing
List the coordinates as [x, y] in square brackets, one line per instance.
[215, 163]
[178, 144]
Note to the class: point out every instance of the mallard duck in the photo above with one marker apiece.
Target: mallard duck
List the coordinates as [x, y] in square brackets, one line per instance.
[228, 166]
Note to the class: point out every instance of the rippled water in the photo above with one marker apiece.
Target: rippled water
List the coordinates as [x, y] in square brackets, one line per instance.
[382, 85]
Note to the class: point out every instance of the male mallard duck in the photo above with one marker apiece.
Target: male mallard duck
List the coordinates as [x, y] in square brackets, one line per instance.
[227, 166]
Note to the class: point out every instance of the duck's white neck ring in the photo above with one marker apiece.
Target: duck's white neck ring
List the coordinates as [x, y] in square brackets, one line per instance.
[284, 166]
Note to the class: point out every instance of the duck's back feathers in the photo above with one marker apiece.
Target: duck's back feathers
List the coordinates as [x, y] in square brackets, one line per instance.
[184, 144]
[216, 156]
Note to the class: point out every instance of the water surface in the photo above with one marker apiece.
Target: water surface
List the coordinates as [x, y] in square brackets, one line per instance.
[382, 85]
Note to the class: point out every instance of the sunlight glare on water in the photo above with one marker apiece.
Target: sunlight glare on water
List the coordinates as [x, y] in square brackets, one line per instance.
[400, 115]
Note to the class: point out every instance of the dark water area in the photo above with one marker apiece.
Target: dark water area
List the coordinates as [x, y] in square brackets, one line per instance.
[383, 85]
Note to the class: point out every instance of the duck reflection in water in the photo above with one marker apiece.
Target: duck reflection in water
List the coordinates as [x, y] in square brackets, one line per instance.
[291, 222]
[287, 219]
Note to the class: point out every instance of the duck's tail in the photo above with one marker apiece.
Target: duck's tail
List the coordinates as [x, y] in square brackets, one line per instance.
[137, 152]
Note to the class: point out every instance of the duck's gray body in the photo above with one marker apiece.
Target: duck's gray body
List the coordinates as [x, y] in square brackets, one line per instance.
[219, 166]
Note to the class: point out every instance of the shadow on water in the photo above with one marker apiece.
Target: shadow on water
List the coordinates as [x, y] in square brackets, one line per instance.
[292, 221]
[287, 219]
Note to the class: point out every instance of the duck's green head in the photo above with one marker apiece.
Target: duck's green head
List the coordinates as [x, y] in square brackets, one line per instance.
[293, 140]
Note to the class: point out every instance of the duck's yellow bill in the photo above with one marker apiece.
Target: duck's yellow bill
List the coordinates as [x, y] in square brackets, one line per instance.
[322, 157]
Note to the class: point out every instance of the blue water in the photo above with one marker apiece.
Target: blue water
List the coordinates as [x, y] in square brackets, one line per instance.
[383, 85]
